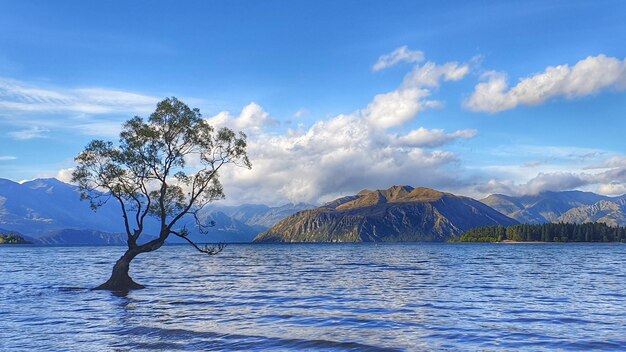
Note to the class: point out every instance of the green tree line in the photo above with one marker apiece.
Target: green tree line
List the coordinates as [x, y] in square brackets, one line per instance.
[11, 238]
[560, 232]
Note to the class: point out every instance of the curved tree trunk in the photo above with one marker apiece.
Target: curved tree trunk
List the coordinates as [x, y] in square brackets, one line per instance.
[120, 280]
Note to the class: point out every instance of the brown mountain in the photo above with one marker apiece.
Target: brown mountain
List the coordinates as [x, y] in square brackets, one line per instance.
[400, 213]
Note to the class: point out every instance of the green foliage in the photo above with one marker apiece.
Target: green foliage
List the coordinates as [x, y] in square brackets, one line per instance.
[561, 232]
[12, 238]
[165, 166]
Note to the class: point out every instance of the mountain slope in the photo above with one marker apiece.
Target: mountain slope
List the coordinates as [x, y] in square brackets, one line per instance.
[82, 237]
[224, 229]
[42, 206]
[259, 215]
[400, 213]
[612, 213]
[567, 206]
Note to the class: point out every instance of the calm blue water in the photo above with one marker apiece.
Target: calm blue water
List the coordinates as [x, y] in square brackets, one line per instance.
[364, 297]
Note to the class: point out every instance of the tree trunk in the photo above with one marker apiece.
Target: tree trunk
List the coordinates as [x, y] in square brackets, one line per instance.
[120, 280]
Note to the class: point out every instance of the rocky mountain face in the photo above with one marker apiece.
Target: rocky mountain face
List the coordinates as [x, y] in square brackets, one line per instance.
[82, 237]
[569, 206]
[52, 210]
[37, 207]
[400, 213]
[259, 216]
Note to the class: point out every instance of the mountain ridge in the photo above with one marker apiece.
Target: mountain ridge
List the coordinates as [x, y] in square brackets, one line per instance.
[42, 206]
[566, 206]
[399, 213]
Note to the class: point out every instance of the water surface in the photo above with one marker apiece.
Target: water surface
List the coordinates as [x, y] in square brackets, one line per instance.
[319, 297]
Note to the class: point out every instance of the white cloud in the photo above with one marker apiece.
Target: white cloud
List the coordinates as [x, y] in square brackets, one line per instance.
[396, 108]
[301, 113]
[251, 119]
[336, 156]
[348, 152]
[29, 133]
[90, 111]
[401, 105]
[424, 138]
[343, 154]
[17, 96]
[587, 77]
[610, 179]
[612, 162]
[431, 74]
[555, 182]
[7, 158]
[65, 175]
[401, 54]
[612, 189]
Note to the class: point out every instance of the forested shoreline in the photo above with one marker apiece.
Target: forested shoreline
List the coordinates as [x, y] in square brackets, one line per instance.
[11, 238]
[559, 232]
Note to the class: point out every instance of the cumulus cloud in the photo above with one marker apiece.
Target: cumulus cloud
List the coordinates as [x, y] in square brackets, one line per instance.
[612, 189]
[424, 138]
[348, 152]
[402, 105]
[29, 133]
[252, 118]
[611, 181]
[335, 156]
[397, 107]
[401, 54]
[587, 77]
[555, 182]
[345, 153]
[65, 175]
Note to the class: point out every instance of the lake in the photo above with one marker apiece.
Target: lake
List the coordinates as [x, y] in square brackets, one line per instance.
[319, 297]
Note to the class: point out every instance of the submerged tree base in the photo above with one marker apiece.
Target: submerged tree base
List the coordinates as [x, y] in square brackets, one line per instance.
[125, 285]
[120, 280]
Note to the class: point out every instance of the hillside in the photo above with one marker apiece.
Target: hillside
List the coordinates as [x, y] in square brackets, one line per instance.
[568, 206]
[10, 237]
[82, 237]
[400, 213]
[37, 207]
[50, 209]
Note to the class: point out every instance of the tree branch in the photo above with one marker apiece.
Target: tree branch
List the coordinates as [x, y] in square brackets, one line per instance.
[214, 249]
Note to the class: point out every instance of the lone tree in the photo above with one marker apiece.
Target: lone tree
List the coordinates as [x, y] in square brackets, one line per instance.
[164, 167]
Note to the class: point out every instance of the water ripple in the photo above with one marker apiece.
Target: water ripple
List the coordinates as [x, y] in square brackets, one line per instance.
[349, 297]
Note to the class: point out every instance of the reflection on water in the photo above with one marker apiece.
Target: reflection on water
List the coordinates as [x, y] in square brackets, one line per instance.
[360, 297]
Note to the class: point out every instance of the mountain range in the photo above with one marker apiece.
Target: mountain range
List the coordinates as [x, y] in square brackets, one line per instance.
[568, 206]
[49, 211]
[397, 214]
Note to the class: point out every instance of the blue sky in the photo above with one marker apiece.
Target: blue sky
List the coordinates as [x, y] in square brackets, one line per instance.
[469, 97]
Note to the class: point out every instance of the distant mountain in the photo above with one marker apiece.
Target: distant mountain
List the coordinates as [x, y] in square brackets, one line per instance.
[225, 229]
[41, 207]
[400, 213]
[567, 206]
[82, 237]
[259, 215]
[240, 223]
[612, 213]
